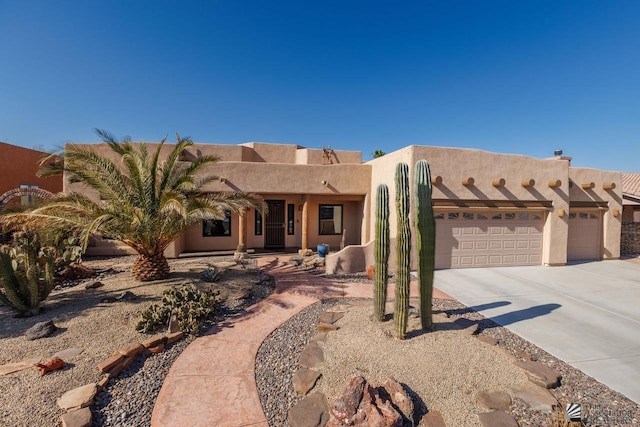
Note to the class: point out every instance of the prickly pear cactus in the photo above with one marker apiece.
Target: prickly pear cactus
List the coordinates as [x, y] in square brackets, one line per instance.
[425, 227]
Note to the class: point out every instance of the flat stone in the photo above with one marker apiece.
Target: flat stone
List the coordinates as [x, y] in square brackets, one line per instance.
[93, 285]
[468, 326]
[109, 363]
[432, 419]
[100, 385]
[10, 368]
[540, 374]
[304, 380]
[126, 296]
[155, 341]
[77, 398]
[52, 364]
[487, 340]
[362, 303]
[69, 353]
[320, 336]
[497, 419]
[311, 411]
[340, 308]
[330, 317]
[311, 356]
[78, 418]
[40, 330]
[157, 349]
[326, 327]
[522, 354]
[132, 349]
[173, 337]
[536, 398]
[494, 400]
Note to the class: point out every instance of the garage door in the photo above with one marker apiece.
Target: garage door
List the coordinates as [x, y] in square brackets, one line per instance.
[488, 239]
[584, 235]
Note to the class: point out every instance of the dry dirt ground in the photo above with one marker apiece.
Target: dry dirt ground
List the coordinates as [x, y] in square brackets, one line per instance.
[99, 328]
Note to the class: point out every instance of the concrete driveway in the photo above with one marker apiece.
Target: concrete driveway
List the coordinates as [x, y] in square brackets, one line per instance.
[587, 315]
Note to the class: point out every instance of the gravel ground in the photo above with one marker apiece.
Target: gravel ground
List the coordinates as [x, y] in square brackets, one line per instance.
[276, 363]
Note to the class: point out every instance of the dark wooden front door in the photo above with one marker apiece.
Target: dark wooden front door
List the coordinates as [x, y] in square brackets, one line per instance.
[274, 224]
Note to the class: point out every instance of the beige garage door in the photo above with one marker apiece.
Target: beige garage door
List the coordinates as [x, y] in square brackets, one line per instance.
[488, 239]
[584, 235]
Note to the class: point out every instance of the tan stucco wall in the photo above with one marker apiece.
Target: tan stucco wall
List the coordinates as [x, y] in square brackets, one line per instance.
[19, 165]
[611, 225]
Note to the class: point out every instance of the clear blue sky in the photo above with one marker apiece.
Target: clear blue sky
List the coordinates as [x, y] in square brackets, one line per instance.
[524, 77]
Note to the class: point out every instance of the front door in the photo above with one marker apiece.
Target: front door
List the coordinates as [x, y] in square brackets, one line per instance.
[274, 225]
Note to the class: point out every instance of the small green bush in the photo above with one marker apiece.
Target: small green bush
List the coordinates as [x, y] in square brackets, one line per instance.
[191, 304]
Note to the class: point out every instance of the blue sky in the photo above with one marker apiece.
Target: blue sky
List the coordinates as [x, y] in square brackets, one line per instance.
[523, 77]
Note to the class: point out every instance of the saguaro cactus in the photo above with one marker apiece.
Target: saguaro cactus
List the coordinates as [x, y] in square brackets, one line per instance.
[381, 252]
[425, 239]
[401, 314]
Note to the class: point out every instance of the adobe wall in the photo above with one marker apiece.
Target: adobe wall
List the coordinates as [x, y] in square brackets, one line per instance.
[19, 165]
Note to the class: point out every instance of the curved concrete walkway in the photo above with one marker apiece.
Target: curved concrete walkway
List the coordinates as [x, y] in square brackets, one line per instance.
[212, 383]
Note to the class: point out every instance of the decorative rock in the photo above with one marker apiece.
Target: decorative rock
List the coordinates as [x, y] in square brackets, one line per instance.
[537, 398]
[40, 330]
[52, 364]
[296, 260]
[311, 411]
[93, 285]
[368, 406]
[399, 398]
[540, 374]
[494, 400]
[132, 349]
[469, 326]
[497, 419]
[80, 397]
[76, 271]
[173, 322]
[304, 380]
[326, 327]
[100, 385]
[487, 340]
[78, 418]
[340, 308]
[126, 296]
[154, 341]
[157, 349]
[109, 363]
[346, 407]
[320, 336]
[69, 353]
[522, 354]
[311, 356]
[10, 368]
[330, 317]
[432, 419]
[371, 271]
[176, 336]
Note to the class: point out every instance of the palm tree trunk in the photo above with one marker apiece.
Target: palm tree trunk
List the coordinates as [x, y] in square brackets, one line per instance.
[147, 268]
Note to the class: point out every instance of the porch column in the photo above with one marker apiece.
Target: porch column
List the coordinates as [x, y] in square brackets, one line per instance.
[305, 220]
[242, 231]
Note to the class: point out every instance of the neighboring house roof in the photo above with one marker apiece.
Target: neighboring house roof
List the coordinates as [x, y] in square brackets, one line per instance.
[631, 186]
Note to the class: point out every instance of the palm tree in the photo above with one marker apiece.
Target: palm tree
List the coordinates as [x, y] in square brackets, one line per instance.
[145, 201]
[378, 153]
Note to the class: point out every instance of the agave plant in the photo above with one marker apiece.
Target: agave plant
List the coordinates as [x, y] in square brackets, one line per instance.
[143, 199]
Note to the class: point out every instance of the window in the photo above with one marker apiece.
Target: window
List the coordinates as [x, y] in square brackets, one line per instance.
[440, 216]
[509, 215]
[28, 199]
[467, 215]
[482, 216]
[496, 216]
[523, 216]
[330, 221]
[257, 226]
[217, 227]
[453, 215]
[290, 218]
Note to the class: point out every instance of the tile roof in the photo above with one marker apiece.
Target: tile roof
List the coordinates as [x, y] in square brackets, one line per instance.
[631, 184]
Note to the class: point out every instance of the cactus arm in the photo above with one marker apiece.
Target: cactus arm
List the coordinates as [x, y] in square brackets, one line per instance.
[425, 240]
[401, 315]
[381, 252]
[10, 285]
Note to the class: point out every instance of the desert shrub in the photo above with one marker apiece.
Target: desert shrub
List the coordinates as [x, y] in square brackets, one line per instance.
[210, 274]
[191, 305]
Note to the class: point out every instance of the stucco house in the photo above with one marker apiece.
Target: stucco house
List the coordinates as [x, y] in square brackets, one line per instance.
[491, 209]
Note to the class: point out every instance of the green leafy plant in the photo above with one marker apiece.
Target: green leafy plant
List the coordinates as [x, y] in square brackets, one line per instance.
[27, 272]
[191, 305]
[381, 252]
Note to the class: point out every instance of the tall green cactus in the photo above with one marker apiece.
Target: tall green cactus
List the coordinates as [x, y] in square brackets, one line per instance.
[381, 252]
[425, 239]
[401, 315]
[27, 273]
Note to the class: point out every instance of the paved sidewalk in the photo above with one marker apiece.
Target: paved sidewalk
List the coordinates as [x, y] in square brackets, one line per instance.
[212, 383]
